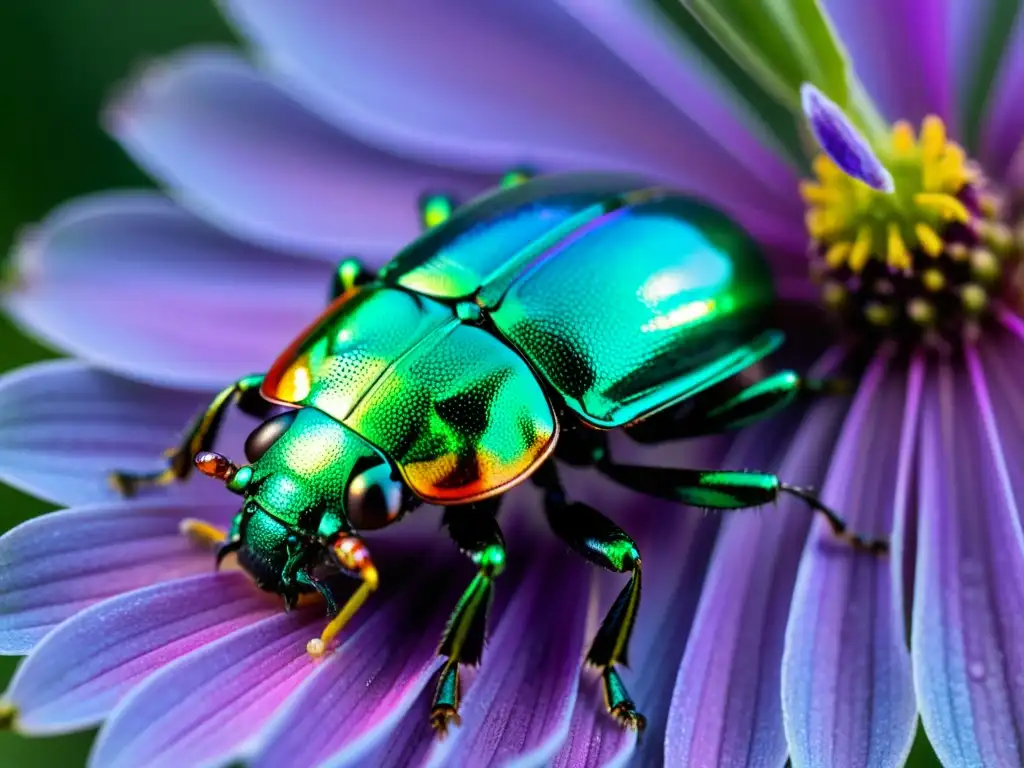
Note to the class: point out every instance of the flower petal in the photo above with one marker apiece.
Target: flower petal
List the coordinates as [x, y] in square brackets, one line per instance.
[726, 705]
[846, 683]
[56, 565]
[84, 667]
[133, 283]
[969, 588]
[493, 84]
[1003, 121]
[407, 745]
[899, 49]
[981, 32]
[520, 704]
[200, 709]
[242, 153]
[368, 683]
[64, 426]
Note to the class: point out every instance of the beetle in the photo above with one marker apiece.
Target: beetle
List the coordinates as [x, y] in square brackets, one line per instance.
[515, 333]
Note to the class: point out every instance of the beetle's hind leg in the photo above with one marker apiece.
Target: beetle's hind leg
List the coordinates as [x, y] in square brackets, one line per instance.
[200, 436]
[475, 531]
[713, 489]
[599, 540]
[734, 403]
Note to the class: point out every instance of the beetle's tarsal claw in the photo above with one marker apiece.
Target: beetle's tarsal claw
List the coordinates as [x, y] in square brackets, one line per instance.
[128, 484]
[442, 716]
[628, 717]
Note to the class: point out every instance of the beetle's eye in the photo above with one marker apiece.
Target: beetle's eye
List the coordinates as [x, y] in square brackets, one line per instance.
[374, 498]
[266, 434]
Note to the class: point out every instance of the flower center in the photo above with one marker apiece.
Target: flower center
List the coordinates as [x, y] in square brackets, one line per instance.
[924, 263]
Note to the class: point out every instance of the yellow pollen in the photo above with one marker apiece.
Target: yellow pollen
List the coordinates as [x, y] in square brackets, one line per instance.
[933, 280]
[852, 224]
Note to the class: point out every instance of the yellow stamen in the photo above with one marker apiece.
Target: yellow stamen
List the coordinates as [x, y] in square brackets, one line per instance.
[929, 174]
[928, 238]
[318, 645]
[903, 141]
[202, 533]
[946, 206]
[837, 254]
[861, 249]
[816, 194]
[933, 280]
[898, 257]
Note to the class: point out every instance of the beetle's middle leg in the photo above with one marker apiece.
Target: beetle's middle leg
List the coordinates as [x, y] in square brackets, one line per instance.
[475, 531]
[200, 436]
[602, 542]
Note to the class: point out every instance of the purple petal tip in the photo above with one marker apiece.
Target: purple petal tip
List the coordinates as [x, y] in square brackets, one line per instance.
[841, 141]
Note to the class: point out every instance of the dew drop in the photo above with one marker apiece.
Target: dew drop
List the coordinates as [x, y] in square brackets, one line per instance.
[976, 670]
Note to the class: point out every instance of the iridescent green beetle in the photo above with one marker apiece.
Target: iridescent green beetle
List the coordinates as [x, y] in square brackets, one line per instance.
[516, 332]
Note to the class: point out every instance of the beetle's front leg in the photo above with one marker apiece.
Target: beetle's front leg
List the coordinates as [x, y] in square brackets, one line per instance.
[200, 436]
[602, 542]
[475, 530]
[714, 489]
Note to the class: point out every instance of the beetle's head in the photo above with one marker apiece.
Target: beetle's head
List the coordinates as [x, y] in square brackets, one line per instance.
[311, 481]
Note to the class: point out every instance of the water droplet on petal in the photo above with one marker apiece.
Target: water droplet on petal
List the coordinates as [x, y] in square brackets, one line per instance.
[841, 141]
[976, 670]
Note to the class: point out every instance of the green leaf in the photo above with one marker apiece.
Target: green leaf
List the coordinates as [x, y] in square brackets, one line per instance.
[782, 44]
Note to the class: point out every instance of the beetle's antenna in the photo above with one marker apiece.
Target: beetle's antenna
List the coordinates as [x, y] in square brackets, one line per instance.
[222, 468]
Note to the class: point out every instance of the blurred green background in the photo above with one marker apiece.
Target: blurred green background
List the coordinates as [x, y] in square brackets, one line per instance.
[58, 63]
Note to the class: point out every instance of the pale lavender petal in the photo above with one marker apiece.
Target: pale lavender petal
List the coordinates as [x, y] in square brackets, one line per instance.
[368, 683]
[726, 704]
[79, 672]
[495, 84]
[847, 693]
[1003, 122]
[969, 589]
[131, 282]
[245, 155]
[407, 745]
[841, 141]
[643, 39]
[899, 49]
[203, 708]
[59, 564]
[64, 426]
[519, 707]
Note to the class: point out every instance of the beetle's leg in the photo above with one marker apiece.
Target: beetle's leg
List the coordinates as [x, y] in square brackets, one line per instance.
[724, 490]
[516, 176]
[475, 530]
[723, 408]
[200, 435]
[355, 559]
[602, 542]
[436, 209]
[347, 275]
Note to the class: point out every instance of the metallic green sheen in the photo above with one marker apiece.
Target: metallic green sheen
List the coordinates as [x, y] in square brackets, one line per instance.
[461, 415]
[337, 360]
[639, 308]
[306, 472]
[487, 235]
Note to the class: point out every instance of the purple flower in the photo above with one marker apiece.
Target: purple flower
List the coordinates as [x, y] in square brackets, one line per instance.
[757, 639]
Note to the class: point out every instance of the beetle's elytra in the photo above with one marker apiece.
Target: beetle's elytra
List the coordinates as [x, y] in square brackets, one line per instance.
[466, 365]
